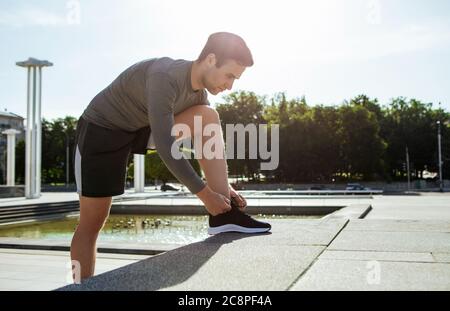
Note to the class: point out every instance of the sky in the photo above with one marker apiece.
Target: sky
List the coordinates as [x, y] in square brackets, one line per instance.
[326, 50]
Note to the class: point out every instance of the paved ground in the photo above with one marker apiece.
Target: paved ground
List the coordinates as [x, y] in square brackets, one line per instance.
[384, 255]
[402, 244]
[47, 197]
[50, 197]
[427, 206]
[32, 270]
[228, 261]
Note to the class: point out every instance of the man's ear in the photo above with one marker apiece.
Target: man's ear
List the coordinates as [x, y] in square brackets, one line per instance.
[211, 59]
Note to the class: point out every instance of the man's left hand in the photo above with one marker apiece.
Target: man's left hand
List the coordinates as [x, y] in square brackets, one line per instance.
[238, 199]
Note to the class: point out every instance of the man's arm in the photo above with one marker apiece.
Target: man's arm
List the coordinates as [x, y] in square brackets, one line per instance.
[161, 92]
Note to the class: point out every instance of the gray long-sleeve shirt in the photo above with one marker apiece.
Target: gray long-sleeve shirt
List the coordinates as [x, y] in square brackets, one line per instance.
[151, 92]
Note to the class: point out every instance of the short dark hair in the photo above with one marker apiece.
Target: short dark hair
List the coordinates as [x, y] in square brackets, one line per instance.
[226, 45]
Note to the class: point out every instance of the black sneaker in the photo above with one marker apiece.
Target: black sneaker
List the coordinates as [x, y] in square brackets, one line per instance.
[236, 221]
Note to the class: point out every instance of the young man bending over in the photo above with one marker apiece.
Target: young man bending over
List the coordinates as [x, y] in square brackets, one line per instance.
[136, 112]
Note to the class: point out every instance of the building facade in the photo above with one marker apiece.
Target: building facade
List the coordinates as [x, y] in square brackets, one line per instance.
[9, 120]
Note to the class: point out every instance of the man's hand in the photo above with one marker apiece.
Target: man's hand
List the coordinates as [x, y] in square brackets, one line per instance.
[238, 199]
[215, 203]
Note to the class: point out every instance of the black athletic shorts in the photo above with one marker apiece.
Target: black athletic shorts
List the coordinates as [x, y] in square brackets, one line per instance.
[101, 157]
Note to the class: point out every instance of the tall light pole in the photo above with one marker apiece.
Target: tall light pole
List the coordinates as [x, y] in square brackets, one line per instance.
[441, 189]
[407, 169]
[33, 153]
[67, 159]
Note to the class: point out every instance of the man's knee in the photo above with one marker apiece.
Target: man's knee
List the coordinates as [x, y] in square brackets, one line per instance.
[209, 114]
[93, 214]
[190, 118]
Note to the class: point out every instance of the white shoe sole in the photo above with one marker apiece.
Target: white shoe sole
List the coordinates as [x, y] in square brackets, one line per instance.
[235, 228]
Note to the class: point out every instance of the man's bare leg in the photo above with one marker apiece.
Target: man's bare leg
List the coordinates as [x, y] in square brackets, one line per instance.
[216, 173]
[215, 170]
[93, 214]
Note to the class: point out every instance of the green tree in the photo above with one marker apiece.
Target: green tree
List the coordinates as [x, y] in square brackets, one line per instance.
[413, 124]
[362, 148]
[242, 108]
[56, 135]
[292, 117]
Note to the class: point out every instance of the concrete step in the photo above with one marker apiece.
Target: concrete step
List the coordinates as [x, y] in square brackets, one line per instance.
[35, 211]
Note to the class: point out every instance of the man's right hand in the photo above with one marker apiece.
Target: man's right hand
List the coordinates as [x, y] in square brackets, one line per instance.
[214, 202]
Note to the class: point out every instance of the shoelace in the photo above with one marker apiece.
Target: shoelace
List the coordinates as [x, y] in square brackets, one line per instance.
[237, 210]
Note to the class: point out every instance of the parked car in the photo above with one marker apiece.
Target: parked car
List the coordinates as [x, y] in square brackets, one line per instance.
[169, 187]
[318, 187]
[355, 186]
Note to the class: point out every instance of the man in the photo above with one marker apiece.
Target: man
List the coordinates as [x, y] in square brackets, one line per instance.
[136, 112]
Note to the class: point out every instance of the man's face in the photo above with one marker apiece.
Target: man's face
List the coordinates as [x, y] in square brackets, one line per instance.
[217, 80]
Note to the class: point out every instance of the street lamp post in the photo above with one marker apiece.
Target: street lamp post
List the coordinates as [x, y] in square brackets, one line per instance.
[67, 159]
[33, 153]
[407, 169]
[441, 189]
